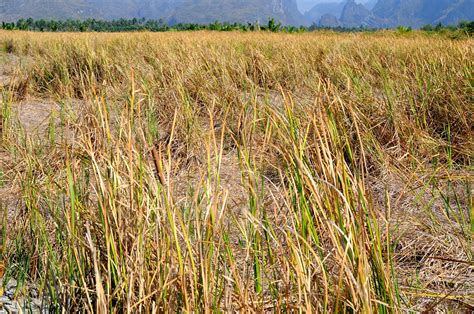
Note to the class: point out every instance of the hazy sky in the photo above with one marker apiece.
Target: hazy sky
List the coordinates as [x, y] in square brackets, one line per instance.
[305, 5]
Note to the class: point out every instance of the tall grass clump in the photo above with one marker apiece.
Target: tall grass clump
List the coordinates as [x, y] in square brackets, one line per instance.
[203, 172]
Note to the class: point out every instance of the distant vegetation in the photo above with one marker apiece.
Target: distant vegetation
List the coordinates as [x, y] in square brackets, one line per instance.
[466, 26]
[136, 25]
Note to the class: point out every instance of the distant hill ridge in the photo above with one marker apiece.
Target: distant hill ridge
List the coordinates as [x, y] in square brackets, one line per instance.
[196, 11]
[347, 13]
[392, 13]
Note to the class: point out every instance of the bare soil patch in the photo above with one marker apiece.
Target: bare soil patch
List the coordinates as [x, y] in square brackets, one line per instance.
[34, 115]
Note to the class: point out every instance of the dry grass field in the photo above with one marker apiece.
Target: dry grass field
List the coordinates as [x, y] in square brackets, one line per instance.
[238, 172]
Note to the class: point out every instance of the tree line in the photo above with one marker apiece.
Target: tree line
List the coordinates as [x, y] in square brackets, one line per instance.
[136, 25]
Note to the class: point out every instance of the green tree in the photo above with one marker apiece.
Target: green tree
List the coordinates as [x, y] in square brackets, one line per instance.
[273, 26]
